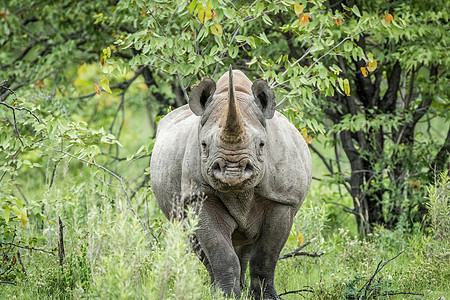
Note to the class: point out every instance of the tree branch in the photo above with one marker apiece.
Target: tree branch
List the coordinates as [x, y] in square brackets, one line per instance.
[24, 247]
[388, 102]
[117, 177]
[297, 252]
[442, 156]
[297, 292]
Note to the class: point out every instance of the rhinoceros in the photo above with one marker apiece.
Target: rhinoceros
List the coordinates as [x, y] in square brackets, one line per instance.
[251, 167]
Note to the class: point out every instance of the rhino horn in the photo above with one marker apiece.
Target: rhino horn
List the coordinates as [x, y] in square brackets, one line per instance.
[233, 130]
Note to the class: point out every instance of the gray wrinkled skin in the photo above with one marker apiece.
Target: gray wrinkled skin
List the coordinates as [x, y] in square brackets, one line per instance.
[252, 168]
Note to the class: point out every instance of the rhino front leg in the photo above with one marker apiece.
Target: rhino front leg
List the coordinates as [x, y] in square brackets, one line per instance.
[214, 235]
[265, 253]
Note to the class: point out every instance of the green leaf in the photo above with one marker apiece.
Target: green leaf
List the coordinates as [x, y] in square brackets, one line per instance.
[355, 10]
[6, 213]
[216, 29]
[192, 6]
[105, 85]
[267, 19]
[263, 37]
[346, 87]
[233, 51]
[208, 12]
[251, 41]
[16, 210]
[94, 150]
[230, 13]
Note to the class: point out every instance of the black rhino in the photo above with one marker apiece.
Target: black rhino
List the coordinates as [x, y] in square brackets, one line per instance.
[252, 168]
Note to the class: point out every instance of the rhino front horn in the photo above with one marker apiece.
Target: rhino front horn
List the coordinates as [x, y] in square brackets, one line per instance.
[233, 131]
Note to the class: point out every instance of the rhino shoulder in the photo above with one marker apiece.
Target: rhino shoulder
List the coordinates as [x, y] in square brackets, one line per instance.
[288, 166]
[173, 119]
[174, 131]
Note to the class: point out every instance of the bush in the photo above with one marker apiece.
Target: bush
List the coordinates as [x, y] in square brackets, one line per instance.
[439, 208]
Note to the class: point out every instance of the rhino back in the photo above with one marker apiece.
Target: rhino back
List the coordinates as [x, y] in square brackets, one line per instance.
[289, 167]
[172, 136]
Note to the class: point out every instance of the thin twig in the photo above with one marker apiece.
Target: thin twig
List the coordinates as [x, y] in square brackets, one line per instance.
[61, 251]
[114, 175]
[344, 207]
[23, 267]
[13, 109]
[24, 247]
[328, 165]
[297, 252]
[186, 97]
[380, 266]
[21, 193]
[340, 43]
[403, 293]
[297, 292]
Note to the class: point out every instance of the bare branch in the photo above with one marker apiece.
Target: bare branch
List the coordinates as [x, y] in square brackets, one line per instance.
[60, 242]
[13, 109]
[297, 252]
[309, 290]
[114, 175]
[328, 165]
[344, 207]
[24, 247]
[19, 258]
[380, 266]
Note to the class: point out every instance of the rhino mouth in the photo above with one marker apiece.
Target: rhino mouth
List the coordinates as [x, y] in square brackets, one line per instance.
[232, 174]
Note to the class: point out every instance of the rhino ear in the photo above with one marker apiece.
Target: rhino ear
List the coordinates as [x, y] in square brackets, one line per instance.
[200, 95]
[264, 97]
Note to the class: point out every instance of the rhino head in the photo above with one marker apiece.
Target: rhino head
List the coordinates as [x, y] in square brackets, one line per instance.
[232, 131]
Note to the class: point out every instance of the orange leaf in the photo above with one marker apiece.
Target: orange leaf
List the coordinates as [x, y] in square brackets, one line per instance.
[389, 18]
[214, 15]
[4, 15]
[338, 22]
[38, 84]
[304, 19]
[97, 89]
[364, 71]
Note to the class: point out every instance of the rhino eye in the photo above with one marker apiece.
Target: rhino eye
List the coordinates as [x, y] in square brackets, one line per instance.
[261, 145]
[204, 145]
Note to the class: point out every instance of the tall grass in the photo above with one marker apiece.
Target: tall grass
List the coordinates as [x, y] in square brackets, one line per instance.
[109, 256]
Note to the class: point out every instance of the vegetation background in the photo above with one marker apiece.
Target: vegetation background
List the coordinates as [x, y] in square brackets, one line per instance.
[83, 85]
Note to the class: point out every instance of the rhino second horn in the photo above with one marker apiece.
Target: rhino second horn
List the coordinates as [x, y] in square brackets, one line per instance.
[233, 131]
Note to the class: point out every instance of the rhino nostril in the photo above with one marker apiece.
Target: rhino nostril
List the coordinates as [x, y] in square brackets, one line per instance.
[248, 170]
[217, 169]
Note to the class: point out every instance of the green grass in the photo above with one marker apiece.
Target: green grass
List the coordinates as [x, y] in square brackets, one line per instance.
[109, 256]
